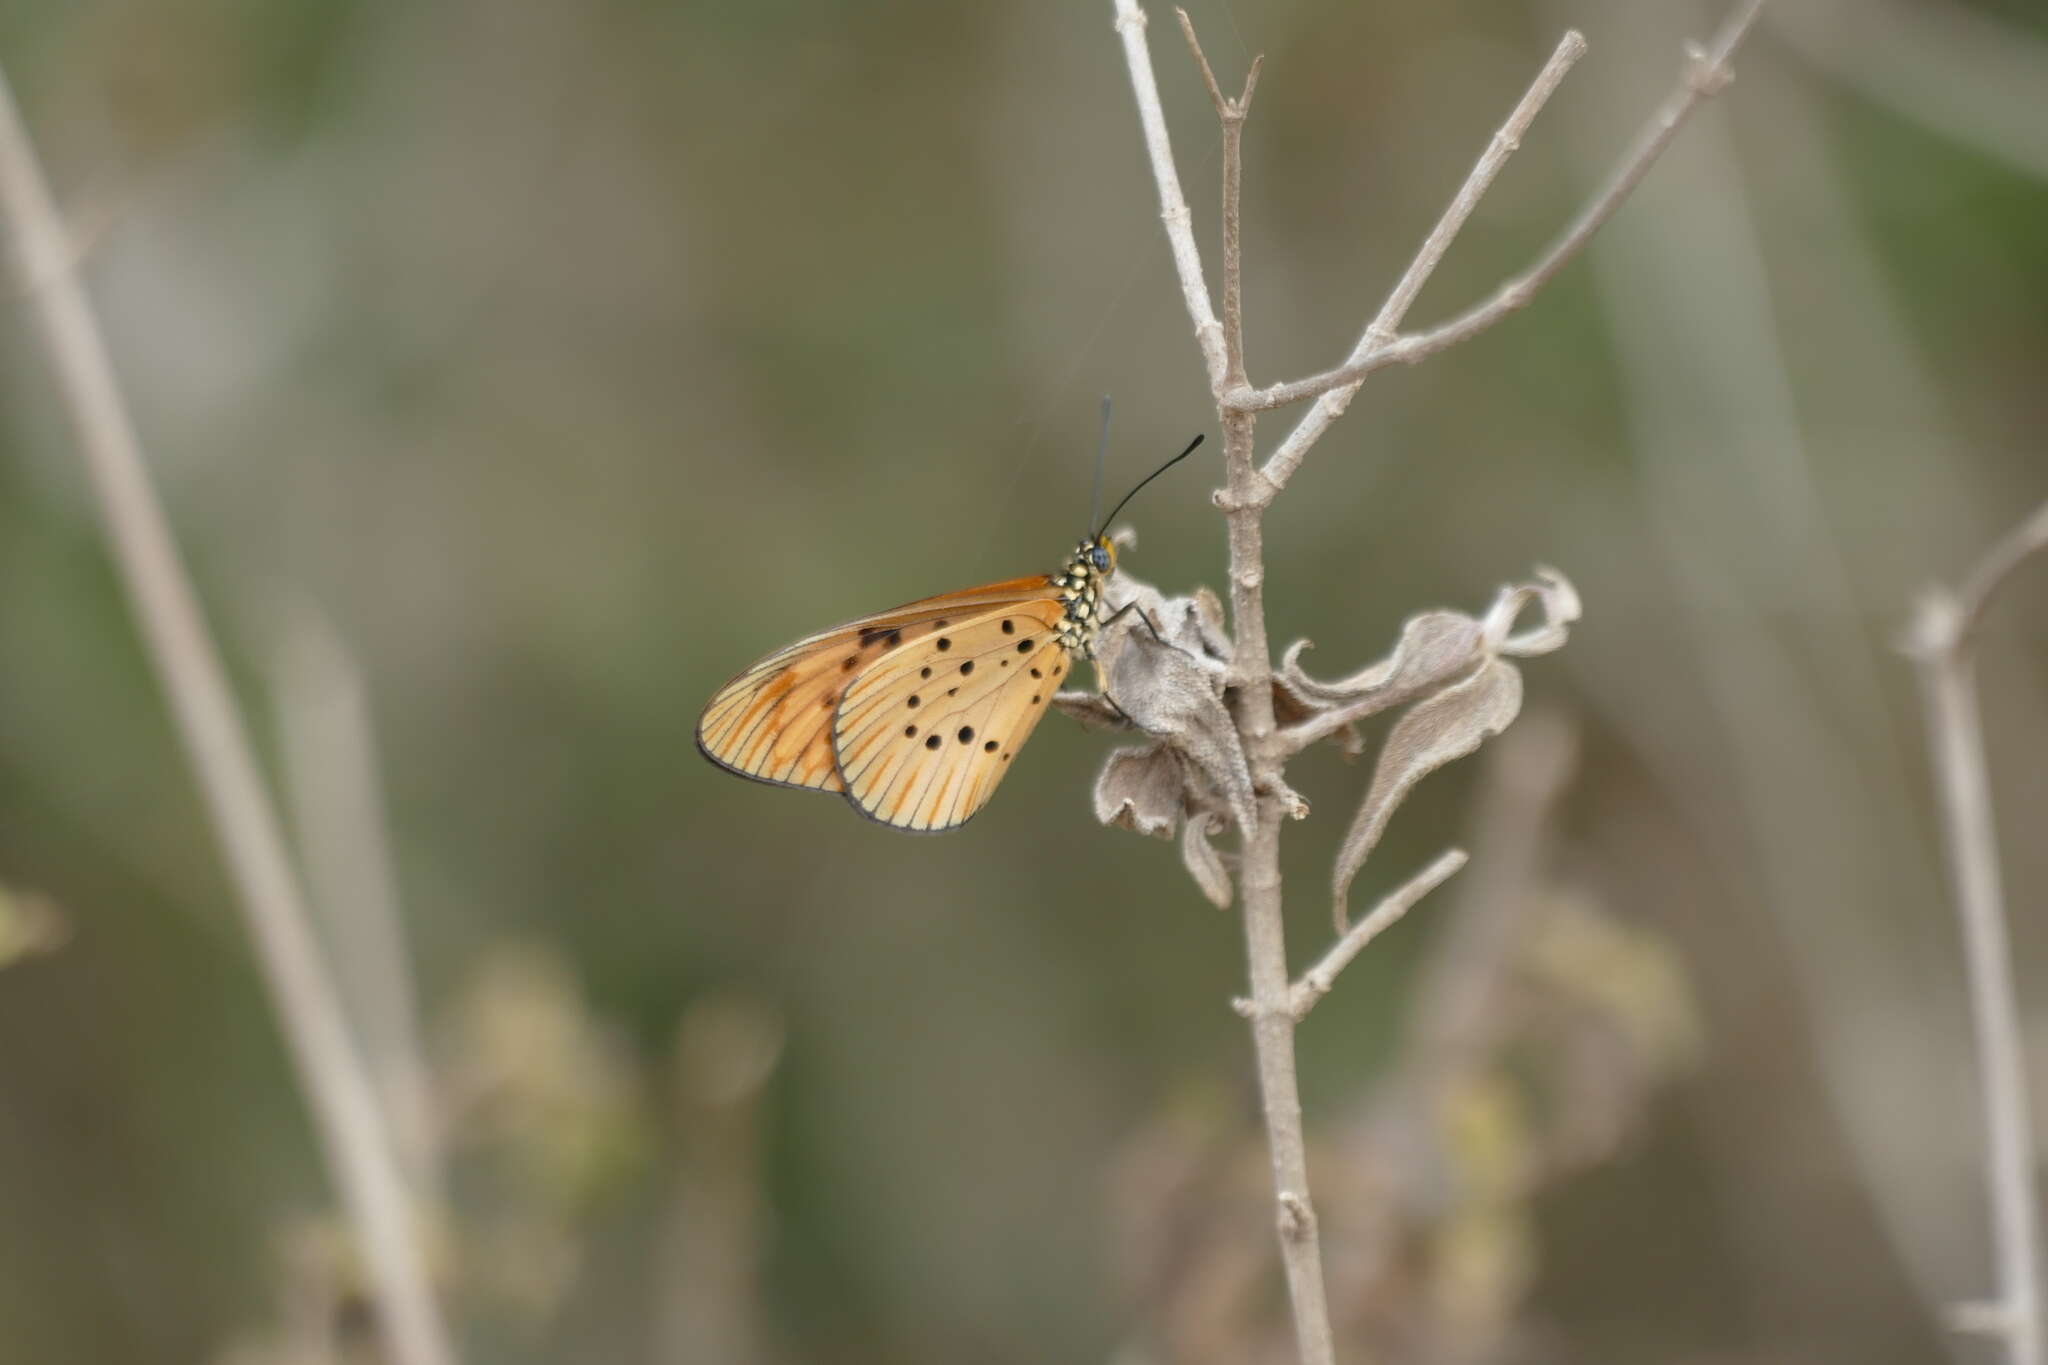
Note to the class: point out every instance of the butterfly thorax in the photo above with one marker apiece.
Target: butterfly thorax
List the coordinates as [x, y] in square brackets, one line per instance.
[1079, 584]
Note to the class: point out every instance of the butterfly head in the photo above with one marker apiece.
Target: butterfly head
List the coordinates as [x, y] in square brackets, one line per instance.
[1102, 556]
[1093, 561]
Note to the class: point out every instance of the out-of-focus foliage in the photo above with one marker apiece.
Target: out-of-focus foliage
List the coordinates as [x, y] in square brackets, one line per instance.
[570, 356]
[29, 925]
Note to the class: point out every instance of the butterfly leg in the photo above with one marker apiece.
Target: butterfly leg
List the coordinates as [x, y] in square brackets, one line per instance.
[1129, 606]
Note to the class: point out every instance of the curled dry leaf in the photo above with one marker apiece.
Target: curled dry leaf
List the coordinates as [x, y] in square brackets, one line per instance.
[1436, 648]
[1203, 862]
[1152, 790]
[1437, 729]
[1170, 686]
[1559, 601]
[1141, 790]
[1168, 694]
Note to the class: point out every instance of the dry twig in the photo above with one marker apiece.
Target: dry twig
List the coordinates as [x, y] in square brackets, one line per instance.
[353, 1133]
[1940, 640]
[1450, 666]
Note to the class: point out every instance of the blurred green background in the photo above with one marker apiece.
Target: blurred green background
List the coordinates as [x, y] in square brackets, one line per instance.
[515, 372]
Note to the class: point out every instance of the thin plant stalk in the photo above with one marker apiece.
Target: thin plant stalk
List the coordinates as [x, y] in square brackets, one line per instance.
[1941, 642]
[327, 741]
[354, 1136]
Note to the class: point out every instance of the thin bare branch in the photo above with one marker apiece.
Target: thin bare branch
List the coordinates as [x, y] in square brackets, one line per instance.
[1940, 640]
[1173, 205]
[1231, 114]
[2029, 538]
[348, 1119]
[1216, 95]
[1706, 73]
[1315, 983]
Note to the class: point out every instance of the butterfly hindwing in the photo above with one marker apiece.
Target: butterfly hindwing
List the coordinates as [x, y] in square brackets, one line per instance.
[924, 734]
[773, 723]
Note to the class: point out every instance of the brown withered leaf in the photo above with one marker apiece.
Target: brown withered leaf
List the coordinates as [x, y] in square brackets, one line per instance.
[1178, 697]
[1141, 790]
[1437, 729]
[1163, 668]
[1434, 646]
[1171, 687]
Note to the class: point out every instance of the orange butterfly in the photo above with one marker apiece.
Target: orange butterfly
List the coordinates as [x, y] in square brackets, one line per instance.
[915, 713]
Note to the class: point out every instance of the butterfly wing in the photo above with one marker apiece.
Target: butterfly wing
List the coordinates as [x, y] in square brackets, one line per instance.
[924, 734]
[773, 723]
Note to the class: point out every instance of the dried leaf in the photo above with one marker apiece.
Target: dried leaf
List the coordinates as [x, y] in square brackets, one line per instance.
[1559, 601]
[1437, 729]
[1178, 696]
[1194, 623]
[1141, 790]
[1203, 862]
[1435, 646]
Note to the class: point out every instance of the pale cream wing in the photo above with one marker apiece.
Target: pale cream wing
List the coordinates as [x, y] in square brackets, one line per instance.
[773, 723]
[926, 732]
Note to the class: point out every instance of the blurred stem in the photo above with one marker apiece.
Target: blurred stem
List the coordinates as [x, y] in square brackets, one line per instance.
[1956, 69]
[1941, 642]
[710, 1305]
[329, 747]
[347, 1116]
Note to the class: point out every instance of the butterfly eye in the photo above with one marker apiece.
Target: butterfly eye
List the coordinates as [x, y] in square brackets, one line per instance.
[1099, 557]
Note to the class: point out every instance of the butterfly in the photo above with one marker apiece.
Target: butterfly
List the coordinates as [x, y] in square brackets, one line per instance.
[914, 714]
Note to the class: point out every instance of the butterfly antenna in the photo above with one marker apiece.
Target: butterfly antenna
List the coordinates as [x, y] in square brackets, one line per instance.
[1104, 523]
[1101, 453]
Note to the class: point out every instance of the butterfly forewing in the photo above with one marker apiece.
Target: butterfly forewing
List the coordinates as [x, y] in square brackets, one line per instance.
[773, 723]
[924, 734]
